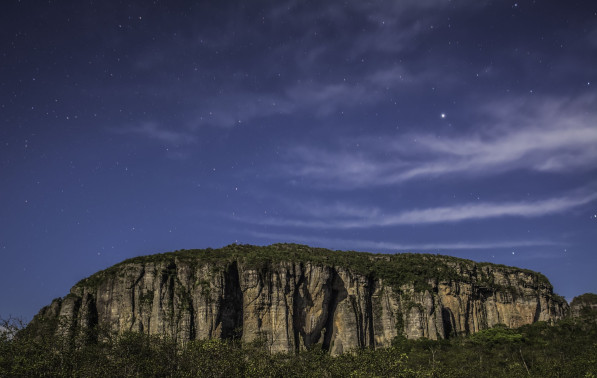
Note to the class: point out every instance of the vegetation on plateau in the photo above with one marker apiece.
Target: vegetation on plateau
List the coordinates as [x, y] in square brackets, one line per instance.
[395, 269]
[566, 349]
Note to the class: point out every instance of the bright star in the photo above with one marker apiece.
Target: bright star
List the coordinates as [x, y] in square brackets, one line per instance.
[443, 115]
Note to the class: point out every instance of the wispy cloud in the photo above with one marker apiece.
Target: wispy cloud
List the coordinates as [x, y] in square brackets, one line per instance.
[339, 216]
[321, 99]
[548, 136]
[393, 246]
[326, 98]
[154, 131]
[361, 34]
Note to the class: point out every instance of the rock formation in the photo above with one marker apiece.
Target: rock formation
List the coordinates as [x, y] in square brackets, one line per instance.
[584, 306]
[293, 296]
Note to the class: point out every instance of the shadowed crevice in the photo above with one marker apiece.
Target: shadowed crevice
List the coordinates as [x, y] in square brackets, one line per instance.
[369, 311]
[298, 308]
[338, 294]
[448, 322]
[231, 310]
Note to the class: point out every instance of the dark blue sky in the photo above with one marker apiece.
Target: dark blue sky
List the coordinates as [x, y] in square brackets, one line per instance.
[466, 128]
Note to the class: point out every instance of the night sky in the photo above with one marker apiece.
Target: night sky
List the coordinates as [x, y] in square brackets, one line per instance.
[466, 128]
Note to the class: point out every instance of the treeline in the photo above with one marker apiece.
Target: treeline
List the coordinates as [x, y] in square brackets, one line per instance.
[567, 349]
[395, 269]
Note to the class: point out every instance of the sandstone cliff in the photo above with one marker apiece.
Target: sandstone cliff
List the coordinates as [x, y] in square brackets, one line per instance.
[293, 296]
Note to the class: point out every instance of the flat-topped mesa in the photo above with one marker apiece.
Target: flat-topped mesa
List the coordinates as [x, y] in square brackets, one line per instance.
[294, 296]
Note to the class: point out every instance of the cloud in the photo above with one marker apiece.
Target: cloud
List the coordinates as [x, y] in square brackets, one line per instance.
[340, 216]
[393, 246]
[152, 130]
[327, 98]
[546, 136]
[380, 26]
[321, 99]
[305, 72]
[550, 136]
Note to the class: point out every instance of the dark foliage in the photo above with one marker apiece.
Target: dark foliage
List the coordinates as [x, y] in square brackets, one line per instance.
[567, 349]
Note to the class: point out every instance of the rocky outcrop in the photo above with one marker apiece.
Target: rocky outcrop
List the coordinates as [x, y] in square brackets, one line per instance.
[293, 301]
[584, 306]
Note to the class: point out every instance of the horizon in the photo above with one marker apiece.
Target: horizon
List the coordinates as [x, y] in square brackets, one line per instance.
[460, 128]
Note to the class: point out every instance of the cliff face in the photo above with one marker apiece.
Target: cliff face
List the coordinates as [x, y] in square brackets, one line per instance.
[294, 303]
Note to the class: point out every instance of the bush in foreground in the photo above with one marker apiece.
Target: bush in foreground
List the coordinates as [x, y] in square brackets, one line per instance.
[568, 349]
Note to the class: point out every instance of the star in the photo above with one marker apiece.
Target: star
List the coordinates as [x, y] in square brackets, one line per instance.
[443, 115]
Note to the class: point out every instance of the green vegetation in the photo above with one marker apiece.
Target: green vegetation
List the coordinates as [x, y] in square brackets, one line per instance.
[587, 300]
[567, 349]
[395, 269]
